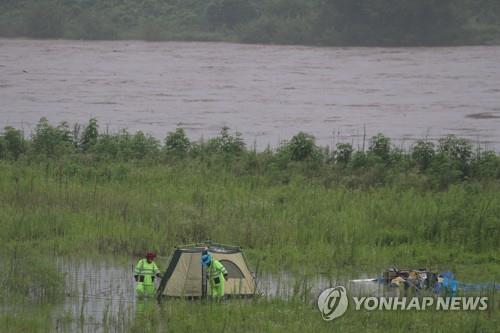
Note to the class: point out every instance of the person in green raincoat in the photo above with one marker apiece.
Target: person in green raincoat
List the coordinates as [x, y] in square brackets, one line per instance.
[144, 274]
[216, 274]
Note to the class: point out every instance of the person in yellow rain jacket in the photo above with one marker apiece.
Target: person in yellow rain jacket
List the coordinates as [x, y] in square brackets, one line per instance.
[144, 274]
[216, 274]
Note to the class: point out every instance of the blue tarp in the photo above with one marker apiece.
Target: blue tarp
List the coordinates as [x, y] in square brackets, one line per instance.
[449, 285]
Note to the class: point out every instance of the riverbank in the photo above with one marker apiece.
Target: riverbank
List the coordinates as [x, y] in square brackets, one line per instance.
[334, 23]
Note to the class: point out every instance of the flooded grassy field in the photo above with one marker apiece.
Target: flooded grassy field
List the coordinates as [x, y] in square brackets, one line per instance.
[266, 92]
[72, 231]
[99, 297]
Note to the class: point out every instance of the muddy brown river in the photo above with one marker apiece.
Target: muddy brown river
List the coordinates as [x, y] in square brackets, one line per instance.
[268, 93]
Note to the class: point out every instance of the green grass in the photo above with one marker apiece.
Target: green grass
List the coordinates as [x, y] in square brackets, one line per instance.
[300, 226]
[297, 316]
[27, 319]
[259, 315]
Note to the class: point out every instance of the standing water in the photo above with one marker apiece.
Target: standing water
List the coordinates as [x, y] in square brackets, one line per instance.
[100, 294]
[96, 295]
[268, 93]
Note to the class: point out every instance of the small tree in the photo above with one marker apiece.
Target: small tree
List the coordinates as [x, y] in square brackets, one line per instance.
[226, 143]
[65, 133]
[177, 143]
[457, 149]
[12, 143]
[487, 165]
[359, 160]
[142, 146]
[380, 146]
[108, 145]
[444, 171]
[423, 153]
[90, 135]
[344, 152]
[51, 141]
[301, 147]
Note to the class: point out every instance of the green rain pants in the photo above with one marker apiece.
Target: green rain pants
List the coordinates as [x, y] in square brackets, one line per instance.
[145, 289]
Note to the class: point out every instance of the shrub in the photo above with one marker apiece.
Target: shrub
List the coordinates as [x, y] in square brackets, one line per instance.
[344, 152]
[51, 141]
[107, 145]
[142, 146]
[380, 146]
[90, 135]
[486, 165]
[444, 171]
[423, 153]
[359, 160]
[12, 143]
[226, 143]
[301, 147]
[457, 149]
[177, 143]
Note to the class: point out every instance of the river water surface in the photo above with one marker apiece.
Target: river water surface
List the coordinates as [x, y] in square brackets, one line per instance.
[267, 93]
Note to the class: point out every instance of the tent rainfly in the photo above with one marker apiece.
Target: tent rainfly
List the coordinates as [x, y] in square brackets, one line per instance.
[185, 276]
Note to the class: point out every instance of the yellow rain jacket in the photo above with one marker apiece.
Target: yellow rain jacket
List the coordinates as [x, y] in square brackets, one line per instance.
[216, 272]
[145, 273]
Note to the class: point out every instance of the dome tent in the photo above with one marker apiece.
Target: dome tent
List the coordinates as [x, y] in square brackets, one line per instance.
[186, 277]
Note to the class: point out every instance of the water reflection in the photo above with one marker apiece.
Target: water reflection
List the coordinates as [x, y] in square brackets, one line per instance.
[98, 295]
